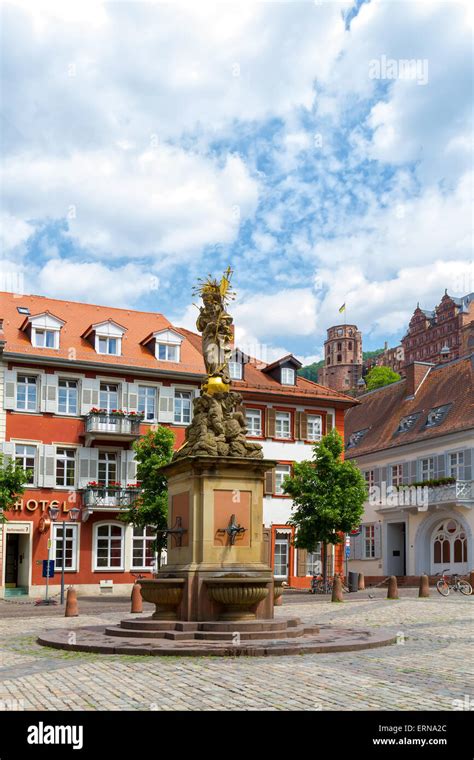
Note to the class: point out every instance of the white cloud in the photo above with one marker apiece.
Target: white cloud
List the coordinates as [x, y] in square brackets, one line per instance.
[94, 282]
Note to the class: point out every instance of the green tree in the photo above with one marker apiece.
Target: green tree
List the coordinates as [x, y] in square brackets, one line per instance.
[328, 496]
[12, 479]
[152, 451]
[380, 376]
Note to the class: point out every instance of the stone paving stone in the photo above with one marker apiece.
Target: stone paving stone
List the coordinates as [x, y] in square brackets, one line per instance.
[433, 666]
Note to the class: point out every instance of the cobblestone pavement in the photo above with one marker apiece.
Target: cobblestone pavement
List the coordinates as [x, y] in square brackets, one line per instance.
[432, 666]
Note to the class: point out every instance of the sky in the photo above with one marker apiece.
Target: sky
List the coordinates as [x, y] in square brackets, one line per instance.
[146, 144]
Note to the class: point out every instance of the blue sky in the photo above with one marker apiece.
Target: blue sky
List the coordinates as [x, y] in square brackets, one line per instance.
[146, 144]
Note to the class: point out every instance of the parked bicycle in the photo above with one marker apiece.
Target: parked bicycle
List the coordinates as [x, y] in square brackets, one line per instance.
[318, 586]
[445, 585]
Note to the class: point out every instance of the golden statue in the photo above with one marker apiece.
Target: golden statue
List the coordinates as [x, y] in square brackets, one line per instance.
[215, 324]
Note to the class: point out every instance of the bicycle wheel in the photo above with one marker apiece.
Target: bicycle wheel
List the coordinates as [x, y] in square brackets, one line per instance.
[442, 587]
[465, 588]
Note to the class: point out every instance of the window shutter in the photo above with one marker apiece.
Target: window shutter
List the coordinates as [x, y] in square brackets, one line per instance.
[9, 400]
[50, 393]
[297, 425]
[301, 562]
[166, 404]
[131, 467]
[269, 488]
[405, 472]
[468, 464]
[49, 466]
[89, 394]
[304, 426]
[84, 463]
[413, 466]
[440, 466]
[377, 475]
[8, 450]
[132, 397]
[383, 475]
[356, 546]
[93, 464]
[329, 423]
[378, 540]
[270, 419]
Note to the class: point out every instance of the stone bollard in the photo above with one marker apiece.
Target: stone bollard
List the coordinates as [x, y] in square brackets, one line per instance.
[361, 582]
[71, 603]
[392, 592]
[424, 586]
[337, 590]
[137, 600]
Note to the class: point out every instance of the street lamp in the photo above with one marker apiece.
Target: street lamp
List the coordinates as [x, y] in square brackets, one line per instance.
[73, 515]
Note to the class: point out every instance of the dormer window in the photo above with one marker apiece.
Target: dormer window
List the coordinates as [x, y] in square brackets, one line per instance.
[407, 423]
[106, 337]
[287, 376]
[165, 345]
[436, 415]
[356, 438]
[107, 345]
[44, 330]
[45, 338]
[235, 370]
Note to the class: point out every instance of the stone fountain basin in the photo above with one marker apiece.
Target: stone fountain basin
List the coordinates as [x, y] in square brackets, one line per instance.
[237, 595]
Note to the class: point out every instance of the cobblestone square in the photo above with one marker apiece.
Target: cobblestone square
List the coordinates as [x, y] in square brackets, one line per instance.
[430, 668]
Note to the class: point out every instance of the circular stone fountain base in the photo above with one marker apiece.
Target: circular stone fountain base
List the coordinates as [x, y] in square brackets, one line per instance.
[149, 636]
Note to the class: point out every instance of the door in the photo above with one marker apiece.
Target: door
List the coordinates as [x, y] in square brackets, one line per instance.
[449, 548]
[396, 549]
[11, 561]
[281, 558]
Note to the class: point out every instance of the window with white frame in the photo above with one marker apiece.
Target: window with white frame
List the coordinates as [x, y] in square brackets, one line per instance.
[253, 420]
[109, 547]
[397, 474]
[65, 540]
[109, 396]
[427, 468]
[281, 472]
[314, 427]
[456, 465]
[313, 561]
[235, 370]
[369, 476]
[143, 552]
[147, 402]
[283, 425]
[67, 396]
[25, 457]
[27, 393]
[65, 467]
[182, 407]
[287, 376]
[368, 543]
[167, 352]
[43, 338]
[107, 344]
[107, 468]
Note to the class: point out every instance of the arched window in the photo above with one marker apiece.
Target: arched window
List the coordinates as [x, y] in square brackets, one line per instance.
[108, 547]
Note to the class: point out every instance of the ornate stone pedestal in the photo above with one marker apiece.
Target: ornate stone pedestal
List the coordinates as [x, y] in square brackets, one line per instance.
[218, 504]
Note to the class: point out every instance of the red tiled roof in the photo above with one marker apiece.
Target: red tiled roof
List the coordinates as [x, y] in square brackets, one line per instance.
[78, 317]
[380, 411]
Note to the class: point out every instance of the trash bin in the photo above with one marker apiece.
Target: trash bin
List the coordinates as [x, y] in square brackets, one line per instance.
[353, 581]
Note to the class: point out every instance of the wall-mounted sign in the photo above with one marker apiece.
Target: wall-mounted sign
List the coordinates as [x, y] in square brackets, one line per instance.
[31, 505]
[18, 527]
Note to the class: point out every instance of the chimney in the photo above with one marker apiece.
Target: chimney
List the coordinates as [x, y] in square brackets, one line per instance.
[415, 373]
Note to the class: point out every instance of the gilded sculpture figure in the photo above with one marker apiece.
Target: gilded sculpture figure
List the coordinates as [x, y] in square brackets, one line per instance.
[218, 425]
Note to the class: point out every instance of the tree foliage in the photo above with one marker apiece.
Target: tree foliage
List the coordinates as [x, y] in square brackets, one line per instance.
[328, 495]
[380, 376]
[12, 481]
[152, 451]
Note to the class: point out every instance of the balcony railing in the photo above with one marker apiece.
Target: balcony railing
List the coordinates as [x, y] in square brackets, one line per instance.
[109, 425]
[459, 492]
[102, 497]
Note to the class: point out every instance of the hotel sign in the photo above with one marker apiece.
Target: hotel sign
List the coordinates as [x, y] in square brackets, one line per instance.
[31, 505]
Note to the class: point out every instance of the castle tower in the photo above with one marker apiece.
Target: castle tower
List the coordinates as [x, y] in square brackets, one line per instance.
[342, 358]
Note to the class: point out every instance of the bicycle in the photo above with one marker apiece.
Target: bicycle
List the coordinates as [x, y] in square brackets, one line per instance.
[444, 586]
[319, 587]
